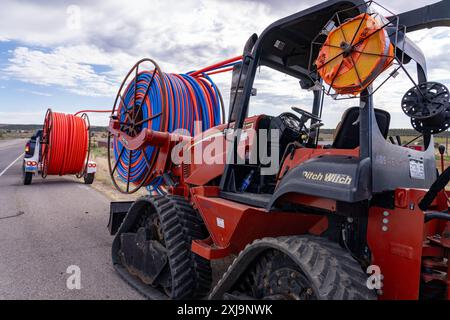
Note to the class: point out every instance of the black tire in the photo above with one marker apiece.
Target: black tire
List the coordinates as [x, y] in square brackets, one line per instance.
[89, 178]
[27, 178]
[178, 224]
[303, 267]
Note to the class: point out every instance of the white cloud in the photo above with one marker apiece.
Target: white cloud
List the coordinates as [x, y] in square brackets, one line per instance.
[115, 35]
[55, 69]
[39, 93]
[35, 92]
[181, 35]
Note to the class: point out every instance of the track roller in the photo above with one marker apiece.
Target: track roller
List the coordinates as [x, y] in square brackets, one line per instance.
[152, 249]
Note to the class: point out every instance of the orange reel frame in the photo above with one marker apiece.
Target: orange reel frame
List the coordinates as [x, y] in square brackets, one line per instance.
[348, 67]
[344, 60]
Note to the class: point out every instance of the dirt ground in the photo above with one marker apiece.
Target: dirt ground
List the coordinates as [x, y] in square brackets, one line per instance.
[103, 182]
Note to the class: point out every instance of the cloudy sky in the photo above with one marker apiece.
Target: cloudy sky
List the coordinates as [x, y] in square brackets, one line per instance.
[70, 55]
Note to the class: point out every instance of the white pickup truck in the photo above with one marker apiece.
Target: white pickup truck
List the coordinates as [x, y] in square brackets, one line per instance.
[32, 161]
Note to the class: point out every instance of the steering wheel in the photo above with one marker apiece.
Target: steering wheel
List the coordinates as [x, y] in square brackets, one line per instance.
[306, 114]
[291, 121]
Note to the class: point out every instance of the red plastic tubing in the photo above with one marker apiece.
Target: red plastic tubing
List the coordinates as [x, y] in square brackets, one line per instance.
[215, 66]
[92, 111]
[67, 144]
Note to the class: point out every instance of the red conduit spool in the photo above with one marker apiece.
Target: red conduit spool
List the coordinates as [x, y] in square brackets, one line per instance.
[66, 144]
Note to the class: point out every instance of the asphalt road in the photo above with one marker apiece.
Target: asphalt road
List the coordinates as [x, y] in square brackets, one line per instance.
[48, 226]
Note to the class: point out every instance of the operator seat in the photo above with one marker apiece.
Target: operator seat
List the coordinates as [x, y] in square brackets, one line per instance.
[347, 131]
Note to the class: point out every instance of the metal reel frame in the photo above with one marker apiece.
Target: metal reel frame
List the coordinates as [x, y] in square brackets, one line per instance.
[132, 124]
[46, 140]
[85, 117]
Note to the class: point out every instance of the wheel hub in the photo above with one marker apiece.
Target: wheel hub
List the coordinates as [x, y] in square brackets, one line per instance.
[288, 284]
[347, 48]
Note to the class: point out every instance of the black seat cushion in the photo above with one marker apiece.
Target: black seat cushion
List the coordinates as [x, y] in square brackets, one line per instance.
[347, 131]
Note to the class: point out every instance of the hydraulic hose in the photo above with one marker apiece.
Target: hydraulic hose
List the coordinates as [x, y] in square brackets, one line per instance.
[163, 102]
[92, 111]
[66, 144]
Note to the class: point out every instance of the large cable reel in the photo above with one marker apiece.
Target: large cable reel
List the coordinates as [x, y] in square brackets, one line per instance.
[353, 49]
[149, 99]
[358, 44]
[65, 144]
[128, 109]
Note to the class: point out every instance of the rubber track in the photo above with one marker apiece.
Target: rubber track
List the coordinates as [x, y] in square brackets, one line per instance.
[333, 273]
[191, 274]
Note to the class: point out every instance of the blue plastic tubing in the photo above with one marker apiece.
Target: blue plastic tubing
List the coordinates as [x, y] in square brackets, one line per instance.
[189, 99]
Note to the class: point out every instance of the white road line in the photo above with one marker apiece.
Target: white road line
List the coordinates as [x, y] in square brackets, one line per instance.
[84, 187]
[11, 164]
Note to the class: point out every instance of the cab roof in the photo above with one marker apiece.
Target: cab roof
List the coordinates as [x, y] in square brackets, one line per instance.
[286, 44]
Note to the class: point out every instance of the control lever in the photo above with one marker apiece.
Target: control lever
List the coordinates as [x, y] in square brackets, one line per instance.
[396, 141]
[312, 130]
[316, 125]
[441, 149]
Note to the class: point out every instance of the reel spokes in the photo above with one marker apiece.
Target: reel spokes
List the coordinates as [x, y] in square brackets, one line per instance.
[133, 94]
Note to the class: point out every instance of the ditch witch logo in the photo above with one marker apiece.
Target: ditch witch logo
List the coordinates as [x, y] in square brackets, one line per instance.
[328, 177]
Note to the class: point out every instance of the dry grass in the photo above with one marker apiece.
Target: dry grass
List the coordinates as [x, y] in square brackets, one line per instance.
[103, 182]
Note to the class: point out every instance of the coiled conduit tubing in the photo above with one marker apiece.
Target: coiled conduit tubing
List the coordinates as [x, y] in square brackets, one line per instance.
[162, 102]
[66, 144]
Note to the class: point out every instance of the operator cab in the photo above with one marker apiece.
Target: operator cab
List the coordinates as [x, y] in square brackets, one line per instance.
[256, 189]
[359, 162]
